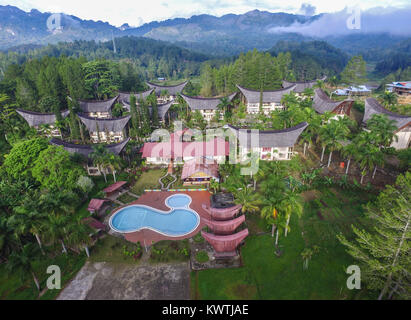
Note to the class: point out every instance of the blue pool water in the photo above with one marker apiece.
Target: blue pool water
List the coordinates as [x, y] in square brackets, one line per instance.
[180, 221]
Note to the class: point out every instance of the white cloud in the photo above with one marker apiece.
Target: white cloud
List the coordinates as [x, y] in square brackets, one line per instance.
[375, 20]
[135, 12]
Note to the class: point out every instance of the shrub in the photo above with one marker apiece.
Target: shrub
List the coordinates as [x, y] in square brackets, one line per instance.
[202, 257]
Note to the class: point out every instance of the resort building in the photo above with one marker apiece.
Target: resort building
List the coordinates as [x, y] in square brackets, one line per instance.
[195, 173]
[353, 91]
[163, 110]
[271, 99]
[86, 150]
[403, 123]
[301, 86]
[271, 145]
[97, 109]
[125, 96]
[166, 94]
[176, 150]
[401, 88]
[208, 107]
[43, 122]
[105, 130]
[323, 103]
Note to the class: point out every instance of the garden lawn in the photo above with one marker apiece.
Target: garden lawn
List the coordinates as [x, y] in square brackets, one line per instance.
[111, 249]
[13, 288]
[267, 277]
[148, 180]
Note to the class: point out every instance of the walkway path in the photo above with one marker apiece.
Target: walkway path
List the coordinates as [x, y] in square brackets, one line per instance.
[170, 184]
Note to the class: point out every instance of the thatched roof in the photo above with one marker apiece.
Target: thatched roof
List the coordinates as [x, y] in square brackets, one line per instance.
[172, 90]
[86, 150]
[373, 107]
[323, 103]
[35, 119]
[270, 139]
[110, 125]
[276, 96]
[196, 103]
[93, 106]
[125, 96]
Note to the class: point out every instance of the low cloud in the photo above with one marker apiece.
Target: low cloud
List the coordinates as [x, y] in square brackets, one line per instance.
[307, 9]
[376, 20]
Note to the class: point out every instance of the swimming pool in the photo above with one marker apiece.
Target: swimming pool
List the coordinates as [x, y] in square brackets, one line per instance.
[179, 221]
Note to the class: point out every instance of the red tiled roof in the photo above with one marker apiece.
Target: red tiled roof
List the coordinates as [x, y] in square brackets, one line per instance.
[177, 149]
[115, 187]
[95, 205]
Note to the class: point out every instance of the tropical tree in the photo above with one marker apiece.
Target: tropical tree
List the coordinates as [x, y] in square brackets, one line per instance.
[383, 250]
[79, 235]
[215, 186]
[389, 98]
[57, 228]
[99, 158]
[383, 129]
[248, 199]
[22, 261]
[291, 203]
[270, 213]
[113, 162]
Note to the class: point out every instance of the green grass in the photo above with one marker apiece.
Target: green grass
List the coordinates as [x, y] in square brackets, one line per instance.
[110, 249]
[148, 180]
[170, 251]
[268, 277]
[202, 257]
[126, 198]
[14, 288]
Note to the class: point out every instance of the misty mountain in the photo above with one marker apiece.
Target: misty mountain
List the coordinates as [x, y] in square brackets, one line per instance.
[220, 36]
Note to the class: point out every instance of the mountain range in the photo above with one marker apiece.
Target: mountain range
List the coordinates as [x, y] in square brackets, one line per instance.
[222, 36]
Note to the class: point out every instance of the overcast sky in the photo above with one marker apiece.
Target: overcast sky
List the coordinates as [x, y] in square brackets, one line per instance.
[137, 12]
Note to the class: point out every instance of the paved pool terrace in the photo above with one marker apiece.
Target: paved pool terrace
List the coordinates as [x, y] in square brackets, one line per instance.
[157, 200]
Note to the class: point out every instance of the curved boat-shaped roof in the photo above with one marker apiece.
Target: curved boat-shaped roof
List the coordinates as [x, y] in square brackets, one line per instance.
[35, 119]
[172, 90]
[224, 227]
[272, 138]
[222, 214]
[86, 150]
[162, 109]
[373, 107]
[301, 85]
[125, 96]
[93, 106]
[225, 243]
[197, 103]
[323, 103]
[276, 96]
[110, 125]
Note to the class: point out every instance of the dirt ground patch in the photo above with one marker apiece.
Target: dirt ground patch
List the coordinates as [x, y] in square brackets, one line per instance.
[310, 195]
[110, 281]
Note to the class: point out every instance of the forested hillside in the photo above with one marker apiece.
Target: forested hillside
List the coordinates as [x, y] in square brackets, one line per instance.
[151, 57]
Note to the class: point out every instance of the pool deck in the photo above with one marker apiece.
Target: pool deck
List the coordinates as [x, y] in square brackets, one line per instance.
[157, 201]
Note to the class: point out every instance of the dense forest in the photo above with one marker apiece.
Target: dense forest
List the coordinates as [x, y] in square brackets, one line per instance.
[150, 57]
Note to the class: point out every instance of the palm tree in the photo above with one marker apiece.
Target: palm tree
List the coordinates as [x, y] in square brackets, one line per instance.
[383, 129]
[8, 240]
[332, 135]
[99, 158]
[215, 186]
[350, 151]
[270, 213]
[248, 199]
[113, 162]
[57, 229]
[79, 235]
[28, 219]
[369, 155]
[389, 98]
[291, 203]
[22, 262]
[223, 105]
[333, 81]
